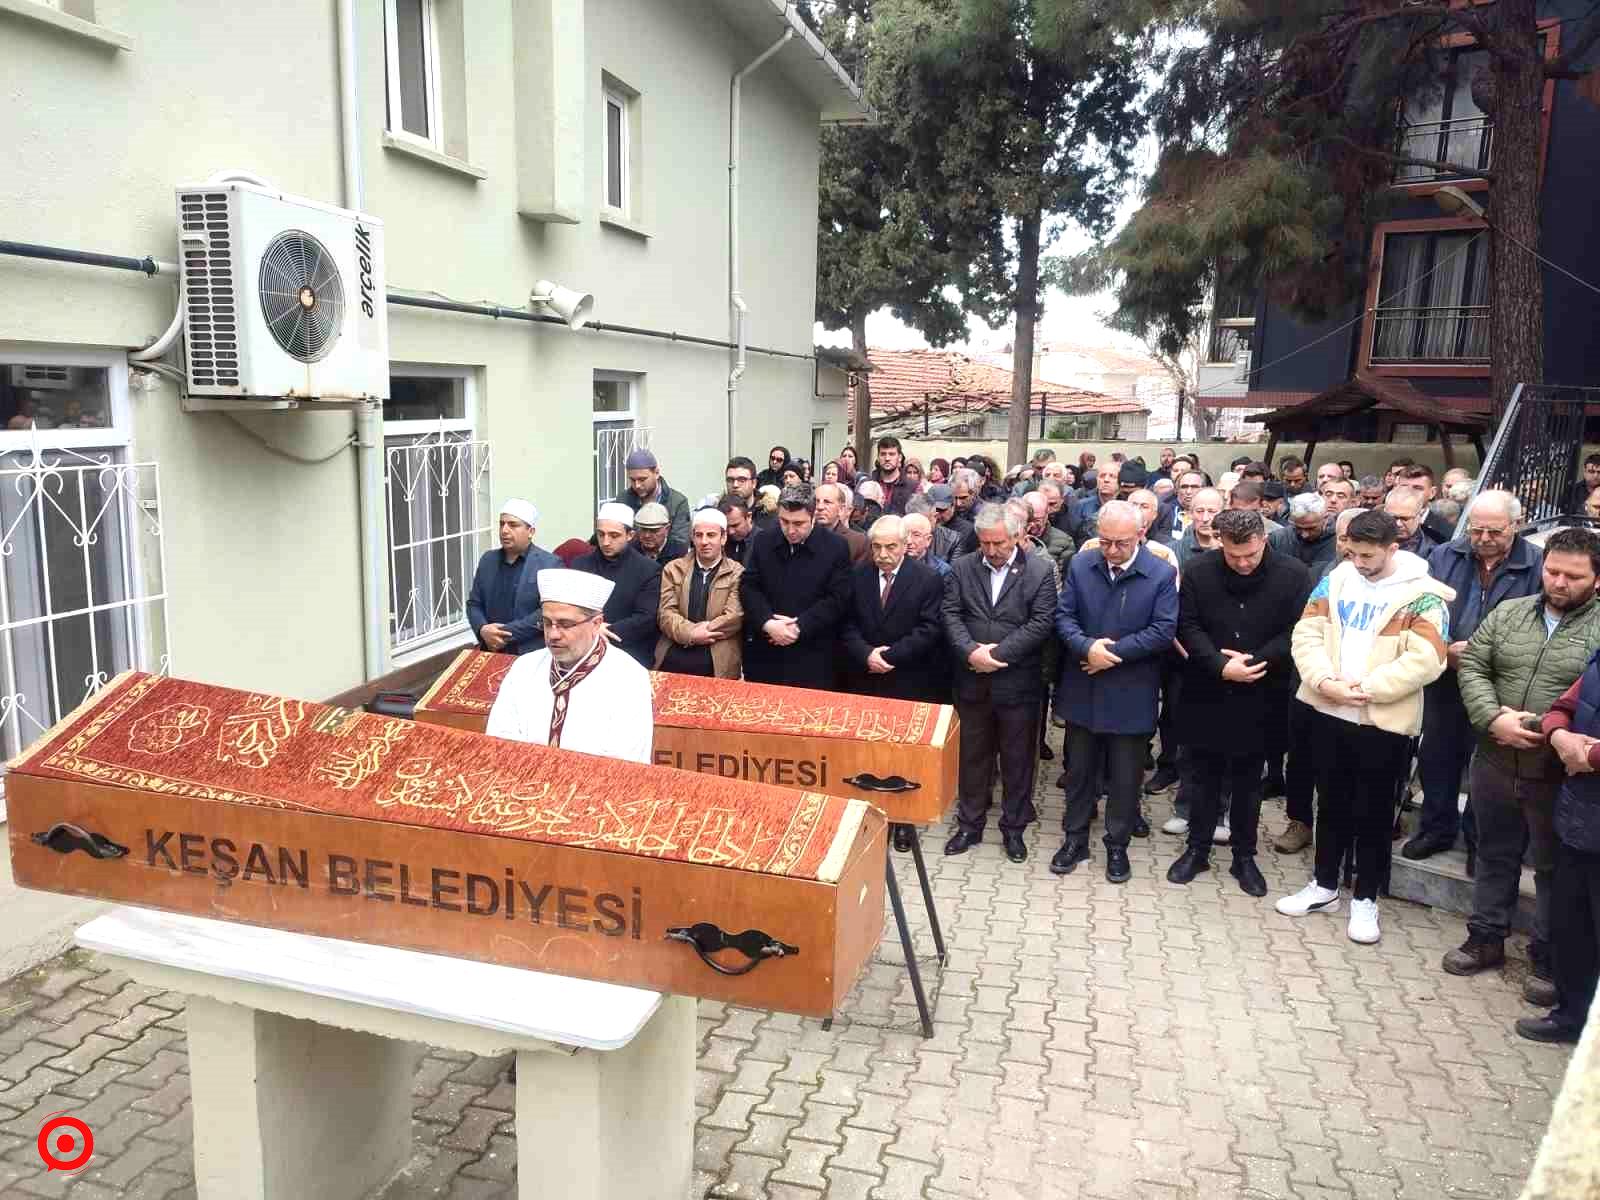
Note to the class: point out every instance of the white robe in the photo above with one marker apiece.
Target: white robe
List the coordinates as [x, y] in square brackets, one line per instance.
[611, 713]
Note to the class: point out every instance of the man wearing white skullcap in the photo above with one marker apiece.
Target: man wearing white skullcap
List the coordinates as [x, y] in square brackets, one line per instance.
[578, 693]
[701, 615]
[503, 605]
[630, 613]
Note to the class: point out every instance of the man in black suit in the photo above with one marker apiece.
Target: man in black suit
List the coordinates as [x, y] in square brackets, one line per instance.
[633, 610]
[999, 605]
[795, 583]
[893, 632]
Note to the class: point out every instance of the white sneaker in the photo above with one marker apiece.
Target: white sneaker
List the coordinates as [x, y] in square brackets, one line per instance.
[1309, 899]
[1223, 834]
[1175, 825]
[1364, 921]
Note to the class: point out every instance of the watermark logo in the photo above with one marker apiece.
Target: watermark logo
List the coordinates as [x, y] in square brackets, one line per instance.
[65, 1143]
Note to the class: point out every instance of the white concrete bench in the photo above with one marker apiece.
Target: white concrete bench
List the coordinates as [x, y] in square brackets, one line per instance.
[303, 1051]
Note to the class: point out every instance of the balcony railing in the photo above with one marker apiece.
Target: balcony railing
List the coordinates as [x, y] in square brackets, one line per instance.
[1455, 334]
[1467, 141]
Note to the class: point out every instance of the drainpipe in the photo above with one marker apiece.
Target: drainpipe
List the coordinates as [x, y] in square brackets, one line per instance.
[369, 417]
[735, 295]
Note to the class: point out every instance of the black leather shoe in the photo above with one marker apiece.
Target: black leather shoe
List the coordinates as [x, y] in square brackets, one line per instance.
[1141, 827]
[1164, 778]
[1547, 1029]
[1118, 869]
[1016, 848]
[904, 835]
[1065, 861]
[1187, 865]
[1540, 993]
[1046, 754]
[1249, 876]
[961, 841]
[1477, 953]
[1061, 780]
[1426, 845]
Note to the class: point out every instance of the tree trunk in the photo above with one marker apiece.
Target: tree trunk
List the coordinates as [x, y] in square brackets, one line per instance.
[1516, 283]
[861, 413]
[1027, 318]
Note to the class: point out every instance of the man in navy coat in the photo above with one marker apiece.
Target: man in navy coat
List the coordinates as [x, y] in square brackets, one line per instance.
[503, 605]
[796, 577]
[1117, 615]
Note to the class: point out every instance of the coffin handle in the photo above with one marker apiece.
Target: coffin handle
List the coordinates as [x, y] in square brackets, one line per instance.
[871, 783]
[64, 837]
[755, 945]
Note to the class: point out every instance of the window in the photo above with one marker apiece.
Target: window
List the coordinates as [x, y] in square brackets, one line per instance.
[819, 452]
[1446, 125]
[616, 110]
[82, 574]
[411, 44]
[1233, 324]
[1433, 299]
[438, 487]
[616, 431]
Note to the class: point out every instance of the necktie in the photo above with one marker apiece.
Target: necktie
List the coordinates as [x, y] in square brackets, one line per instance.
[883, 592]
[1115, 571]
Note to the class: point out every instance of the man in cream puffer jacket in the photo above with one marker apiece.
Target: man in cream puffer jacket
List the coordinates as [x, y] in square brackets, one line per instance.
[1373, 635]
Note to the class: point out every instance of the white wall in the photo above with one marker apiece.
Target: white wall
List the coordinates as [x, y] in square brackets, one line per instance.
[263, 552]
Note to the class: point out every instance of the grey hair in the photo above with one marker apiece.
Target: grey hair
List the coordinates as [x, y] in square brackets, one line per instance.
[1512, 505]
[869, 489]
[919, 504]
[797, 496]
[889, 526]
[998, 516]
[967, 476]
[1342, 521]
[1447, 510]
[915, 516]
[1307, 504]
[1120, 508]
[841, 492]
[1371, 483]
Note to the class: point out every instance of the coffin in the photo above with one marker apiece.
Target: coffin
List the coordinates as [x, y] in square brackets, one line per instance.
[901, 755]
[270, 811]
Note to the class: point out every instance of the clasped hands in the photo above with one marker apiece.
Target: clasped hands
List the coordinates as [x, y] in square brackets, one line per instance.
[782, 630]
[1573, 750]
[701, 634]
[1099, 657]
[1343, 691]
[1238, 669]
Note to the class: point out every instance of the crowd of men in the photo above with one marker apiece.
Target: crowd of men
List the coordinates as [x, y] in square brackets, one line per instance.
[1267, 633]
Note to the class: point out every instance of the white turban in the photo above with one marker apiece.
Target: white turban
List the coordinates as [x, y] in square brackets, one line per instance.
[620, 513]
[560, 586]
[522, 510]
[710, 516]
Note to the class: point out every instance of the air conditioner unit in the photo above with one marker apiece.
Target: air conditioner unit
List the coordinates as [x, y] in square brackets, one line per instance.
[283, 296]
[1242, 367]
[46, 377]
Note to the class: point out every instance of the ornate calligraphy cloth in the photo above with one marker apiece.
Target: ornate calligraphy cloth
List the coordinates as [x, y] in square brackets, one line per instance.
[473, 680]
[562, 683]
[174, 736]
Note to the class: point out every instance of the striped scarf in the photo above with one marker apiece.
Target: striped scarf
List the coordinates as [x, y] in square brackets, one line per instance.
[562, 683]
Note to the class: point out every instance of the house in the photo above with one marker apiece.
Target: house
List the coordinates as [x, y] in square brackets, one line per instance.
[948, 394]
[585, 142]
[1423, 323]
[1109, 370]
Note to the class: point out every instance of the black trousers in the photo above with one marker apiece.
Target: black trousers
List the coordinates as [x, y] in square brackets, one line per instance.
[1277, 733]
[1575, 932]
[1011, 732]
[1300, 771]
[1211, 772]
[1359, 772]
[1171, 686]
[1447, 742]
[1124, 761]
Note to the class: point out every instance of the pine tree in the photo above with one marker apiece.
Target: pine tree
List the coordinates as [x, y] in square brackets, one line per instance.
[1281, 134]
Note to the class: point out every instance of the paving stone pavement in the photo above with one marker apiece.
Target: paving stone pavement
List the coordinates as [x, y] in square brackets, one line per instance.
[1090, 1041]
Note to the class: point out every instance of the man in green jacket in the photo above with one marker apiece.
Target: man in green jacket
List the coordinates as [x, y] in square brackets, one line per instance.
[1523, 656]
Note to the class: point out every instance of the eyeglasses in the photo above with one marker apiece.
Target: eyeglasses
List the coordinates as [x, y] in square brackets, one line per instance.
[564, 626]
[1119, 543]
[736, 479]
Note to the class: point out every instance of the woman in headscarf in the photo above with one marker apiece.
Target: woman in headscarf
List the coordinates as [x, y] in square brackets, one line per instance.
[777, 460]
[938, 471]
[790, 476]
[913, 470]
[847, 466]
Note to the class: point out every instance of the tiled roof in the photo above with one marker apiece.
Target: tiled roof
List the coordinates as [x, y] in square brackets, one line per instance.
[905, 379]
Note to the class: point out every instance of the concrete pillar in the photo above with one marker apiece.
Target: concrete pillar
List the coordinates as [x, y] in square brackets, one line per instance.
[597, 1125]
[285, 1109]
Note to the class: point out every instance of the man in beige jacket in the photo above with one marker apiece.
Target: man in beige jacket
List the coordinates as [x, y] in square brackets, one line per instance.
[1374, 634]
[701, 616]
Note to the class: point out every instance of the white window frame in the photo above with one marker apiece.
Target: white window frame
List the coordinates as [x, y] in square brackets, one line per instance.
[430, 69]
[639, 436]
[461, 429]
[65, 455]
[623, 104]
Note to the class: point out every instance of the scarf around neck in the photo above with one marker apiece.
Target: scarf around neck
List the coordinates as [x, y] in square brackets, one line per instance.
[562, 683]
